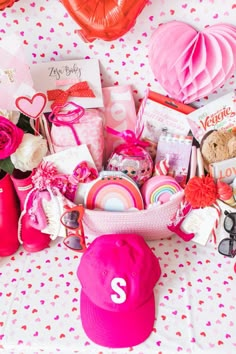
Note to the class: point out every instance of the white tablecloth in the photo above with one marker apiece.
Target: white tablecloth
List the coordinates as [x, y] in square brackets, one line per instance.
[195, 302]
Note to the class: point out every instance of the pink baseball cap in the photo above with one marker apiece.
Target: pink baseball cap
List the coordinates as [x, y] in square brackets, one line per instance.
[118, 273]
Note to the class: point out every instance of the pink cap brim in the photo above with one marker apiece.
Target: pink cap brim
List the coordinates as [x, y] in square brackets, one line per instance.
[117, 329]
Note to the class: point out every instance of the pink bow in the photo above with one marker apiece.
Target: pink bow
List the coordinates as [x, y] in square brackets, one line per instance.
[129, 136]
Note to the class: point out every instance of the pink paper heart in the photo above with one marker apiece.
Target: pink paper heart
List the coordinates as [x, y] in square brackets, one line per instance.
[189, 64]
[32, 107]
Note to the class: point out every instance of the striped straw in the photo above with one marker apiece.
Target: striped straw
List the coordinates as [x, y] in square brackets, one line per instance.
[217, 207]
[139, 121]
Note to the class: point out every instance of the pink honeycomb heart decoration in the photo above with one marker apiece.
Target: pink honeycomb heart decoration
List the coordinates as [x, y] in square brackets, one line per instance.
[190, 64]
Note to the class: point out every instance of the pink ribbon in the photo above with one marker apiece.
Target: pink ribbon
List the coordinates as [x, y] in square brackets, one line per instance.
[130, 138]
[61, 119]
[80, 89]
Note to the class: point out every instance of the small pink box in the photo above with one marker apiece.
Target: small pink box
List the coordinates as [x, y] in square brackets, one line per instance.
[89, 131]
[119, 113]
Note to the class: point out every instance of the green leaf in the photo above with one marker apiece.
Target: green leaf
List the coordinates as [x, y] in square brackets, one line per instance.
[7, 165]
[24, 124]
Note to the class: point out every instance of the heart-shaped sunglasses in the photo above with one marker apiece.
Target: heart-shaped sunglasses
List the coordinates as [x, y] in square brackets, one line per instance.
[71, 219]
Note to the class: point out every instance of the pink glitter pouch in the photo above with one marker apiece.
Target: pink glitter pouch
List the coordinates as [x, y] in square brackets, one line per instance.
[131, 157]
[78, 126]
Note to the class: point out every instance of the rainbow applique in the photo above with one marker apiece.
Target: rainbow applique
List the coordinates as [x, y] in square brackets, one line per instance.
[159, 189]
[114, 192]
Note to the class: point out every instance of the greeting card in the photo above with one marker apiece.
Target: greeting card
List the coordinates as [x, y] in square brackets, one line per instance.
[15, 77]
[77, 81]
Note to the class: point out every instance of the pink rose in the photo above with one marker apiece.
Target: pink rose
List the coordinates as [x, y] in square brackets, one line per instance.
[10, 137]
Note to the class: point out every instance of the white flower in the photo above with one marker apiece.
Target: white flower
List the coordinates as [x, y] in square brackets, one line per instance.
[13, 116]
[30, 152]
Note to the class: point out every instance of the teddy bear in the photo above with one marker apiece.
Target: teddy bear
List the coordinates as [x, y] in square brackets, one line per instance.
[218, 145]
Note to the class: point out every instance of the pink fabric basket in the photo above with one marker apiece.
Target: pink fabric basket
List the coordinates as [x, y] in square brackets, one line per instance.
[150, 223]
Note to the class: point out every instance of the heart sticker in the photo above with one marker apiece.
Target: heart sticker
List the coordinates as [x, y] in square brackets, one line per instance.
[32, 107]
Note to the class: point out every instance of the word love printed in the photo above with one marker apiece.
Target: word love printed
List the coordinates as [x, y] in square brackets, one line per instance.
[224, 170]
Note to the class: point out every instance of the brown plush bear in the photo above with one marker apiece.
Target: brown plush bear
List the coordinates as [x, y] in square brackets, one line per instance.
[218, 145]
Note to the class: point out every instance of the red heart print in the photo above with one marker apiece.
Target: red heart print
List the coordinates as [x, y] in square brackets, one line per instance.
[32, 107]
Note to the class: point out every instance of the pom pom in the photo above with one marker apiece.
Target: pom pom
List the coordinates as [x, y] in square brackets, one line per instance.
[44, 175]
[201, 191]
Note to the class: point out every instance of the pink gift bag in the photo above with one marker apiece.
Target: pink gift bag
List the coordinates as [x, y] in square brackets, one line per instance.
[119, 114]
[89, 131]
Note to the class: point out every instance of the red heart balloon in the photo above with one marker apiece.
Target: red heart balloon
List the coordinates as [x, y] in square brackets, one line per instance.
[6, 3]
[105, 19]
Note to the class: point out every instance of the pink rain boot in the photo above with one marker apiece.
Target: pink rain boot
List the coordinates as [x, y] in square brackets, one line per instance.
[9, 214]
[33, 239]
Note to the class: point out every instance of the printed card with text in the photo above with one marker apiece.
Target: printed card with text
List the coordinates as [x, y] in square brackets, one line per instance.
[201, 222]
[15, 76]
[65, 81]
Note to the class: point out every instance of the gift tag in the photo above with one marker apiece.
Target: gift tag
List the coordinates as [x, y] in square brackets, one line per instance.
[201, 222]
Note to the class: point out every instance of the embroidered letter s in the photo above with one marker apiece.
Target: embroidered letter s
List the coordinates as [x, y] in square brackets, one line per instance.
[120, 295]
